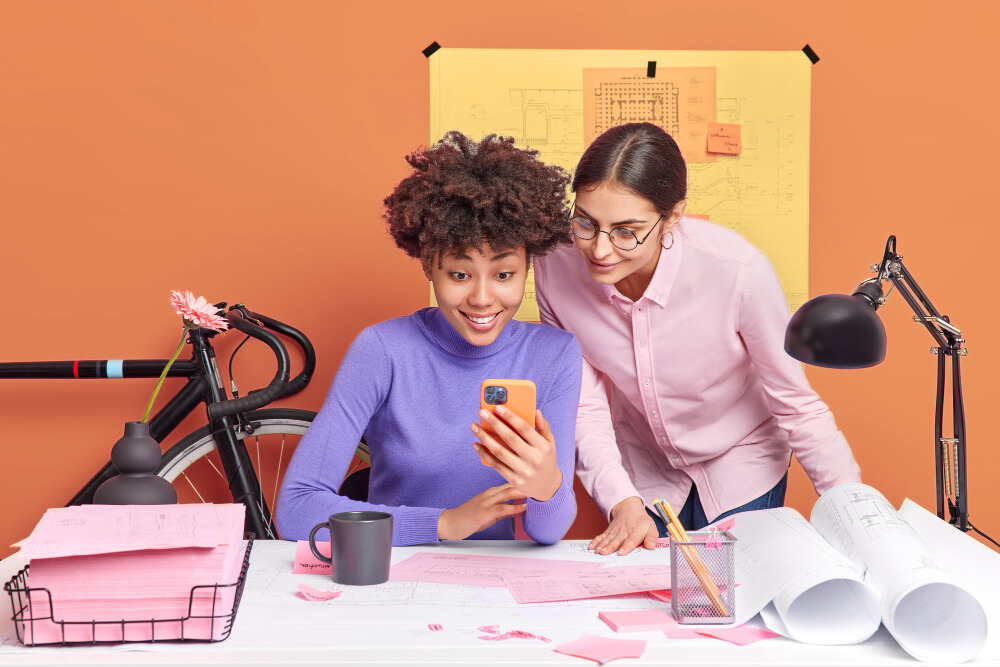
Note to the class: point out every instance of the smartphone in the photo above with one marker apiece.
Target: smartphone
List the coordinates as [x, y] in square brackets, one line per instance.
[517, 396]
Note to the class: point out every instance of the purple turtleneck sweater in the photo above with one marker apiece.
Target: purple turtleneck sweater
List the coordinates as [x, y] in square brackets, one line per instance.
[411, 387]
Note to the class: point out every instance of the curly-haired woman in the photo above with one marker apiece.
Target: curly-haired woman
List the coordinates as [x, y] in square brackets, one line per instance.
[474, 214]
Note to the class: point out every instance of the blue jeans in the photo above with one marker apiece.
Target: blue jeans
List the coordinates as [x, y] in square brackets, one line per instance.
[692, 515]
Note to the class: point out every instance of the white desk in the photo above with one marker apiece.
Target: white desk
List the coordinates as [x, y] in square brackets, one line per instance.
[389, 624]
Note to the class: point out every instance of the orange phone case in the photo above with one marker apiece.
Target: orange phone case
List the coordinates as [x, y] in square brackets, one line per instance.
[520, 398]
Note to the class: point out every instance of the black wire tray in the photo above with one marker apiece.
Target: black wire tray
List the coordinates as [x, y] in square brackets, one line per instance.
[189, 628]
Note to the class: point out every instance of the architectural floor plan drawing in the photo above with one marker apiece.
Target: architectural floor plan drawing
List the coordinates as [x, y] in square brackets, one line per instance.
[557, 101]
[681, 100]
[549, 119]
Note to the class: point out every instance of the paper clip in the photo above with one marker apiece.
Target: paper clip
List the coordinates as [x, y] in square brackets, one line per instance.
[714, 540]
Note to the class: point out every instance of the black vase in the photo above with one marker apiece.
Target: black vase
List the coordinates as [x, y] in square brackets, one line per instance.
[136, 456]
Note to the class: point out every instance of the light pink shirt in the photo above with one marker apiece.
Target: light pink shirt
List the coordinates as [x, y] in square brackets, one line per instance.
[691, 380]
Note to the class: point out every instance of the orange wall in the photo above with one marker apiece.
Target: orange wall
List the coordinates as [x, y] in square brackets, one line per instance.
[242, 150]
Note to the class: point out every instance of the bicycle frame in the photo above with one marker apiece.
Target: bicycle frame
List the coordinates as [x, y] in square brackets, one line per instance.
[204, 385]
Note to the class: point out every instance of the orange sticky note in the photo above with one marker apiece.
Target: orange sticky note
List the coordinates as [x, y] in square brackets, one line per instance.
[724, 138]
[699, 216]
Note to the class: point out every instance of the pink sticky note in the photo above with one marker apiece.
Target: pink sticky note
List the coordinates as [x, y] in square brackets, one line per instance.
[663, 595]
[724, 138]
[307, 563]
[741, 635]
[637, 620]
[726, 524]
[316, 595]
[603, 649]
[663, 543]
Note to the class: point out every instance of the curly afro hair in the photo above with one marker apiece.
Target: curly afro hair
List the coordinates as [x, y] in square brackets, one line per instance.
[462, 192]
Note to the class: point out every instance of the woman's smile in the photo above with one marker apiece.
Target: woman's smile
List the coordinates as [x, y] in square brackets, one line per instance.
[481, 322]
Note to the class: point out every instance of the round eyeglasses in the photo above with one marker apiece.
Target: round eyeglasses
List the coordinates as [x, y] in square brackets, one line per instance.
[621, 238]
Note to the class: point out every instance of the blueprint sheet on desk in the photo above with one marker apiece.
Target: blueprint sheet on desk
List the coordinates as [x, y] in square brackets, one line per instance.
[399, 612]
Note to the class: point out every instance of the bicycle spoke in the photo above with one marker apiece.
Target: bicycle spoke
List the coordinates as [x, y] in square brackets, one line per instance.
[193, 487]
[215, 468]
[269, 526]
[260, 471]
[274, 495]
[260, 500]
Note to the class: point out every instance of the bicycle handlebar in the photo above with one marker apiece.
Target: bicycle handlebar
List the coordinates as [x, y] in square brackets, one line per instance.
[279, 386]
[299, 382]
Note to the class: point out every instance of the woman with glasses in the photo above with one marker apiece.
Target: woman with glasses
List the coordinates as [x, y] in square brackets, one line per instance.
[474, 214]
[688, 395]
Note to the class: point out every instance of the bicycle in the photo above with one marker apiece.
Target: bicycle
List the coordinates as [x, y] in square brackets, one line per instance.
[196, 457]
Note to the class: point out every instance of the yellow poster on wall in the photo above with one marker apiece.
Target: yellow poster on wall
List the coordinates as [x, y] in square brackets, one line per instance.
[540, 98]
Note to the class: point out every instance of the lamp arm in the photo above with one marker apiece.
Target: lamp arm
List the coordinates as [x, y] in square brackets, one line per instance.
[950, 453]
[939, 326]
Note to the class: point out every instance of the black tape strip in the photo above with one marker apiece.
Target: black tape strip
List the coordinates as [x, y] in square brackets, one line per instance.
[651, 69]
[431, 49]
[810, 54]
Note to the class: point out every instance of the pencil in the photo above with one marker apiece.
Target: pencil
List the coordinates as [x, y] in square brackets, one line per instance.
[659, 510]
[678, 533]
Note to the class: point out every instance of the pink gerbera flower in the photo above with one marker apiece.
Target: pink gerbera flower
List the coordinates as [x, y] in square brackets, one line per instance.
[197, 312]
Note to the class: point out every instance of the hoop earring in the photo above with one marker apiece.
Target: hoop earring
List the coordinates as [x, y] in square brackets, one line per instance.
[667, 247]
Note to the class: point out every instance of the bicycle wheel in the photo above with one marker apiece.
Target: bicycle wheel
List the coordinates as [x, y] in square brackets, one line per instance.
[194, 468]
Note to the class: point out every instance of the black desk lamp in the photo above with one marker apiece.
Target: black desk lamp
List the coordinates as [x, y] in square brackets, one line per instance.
[840, 331]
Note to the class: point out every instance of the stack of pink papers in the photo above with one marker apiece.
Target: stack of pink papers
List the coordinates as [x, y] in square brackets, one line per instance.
[132, 563]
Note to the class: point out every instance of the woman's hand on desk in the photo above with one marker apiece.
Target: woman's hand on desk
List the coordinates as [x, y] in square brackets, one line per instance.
[480, 512]
[630, 527]
[524, 455]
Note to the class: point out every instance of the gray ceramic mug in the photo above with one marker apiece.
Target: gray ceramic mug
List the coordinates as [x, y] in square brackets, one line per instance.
[361, 546]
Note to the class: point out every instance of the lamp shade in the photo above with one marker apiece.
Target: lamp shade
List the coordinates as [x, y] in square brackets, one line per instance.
[836, 331]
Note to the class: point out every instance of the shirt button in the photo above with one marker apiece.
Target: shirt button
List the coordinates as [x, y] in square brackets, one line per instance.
[652, 412]
[674, 457]
[642, 344]
[645, 381]
[663, 438]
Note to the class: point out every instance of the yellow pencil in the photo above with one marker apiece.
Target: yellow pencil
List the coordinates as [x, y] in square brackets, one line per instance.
[678, 534]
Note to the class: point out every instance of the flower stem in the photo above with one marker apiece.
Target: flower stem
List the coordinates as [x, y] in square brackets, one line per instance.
[166, 369]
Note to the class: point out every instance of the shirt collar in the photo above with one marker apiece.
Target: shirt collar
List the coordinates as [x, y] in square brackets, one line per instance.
[663, 277]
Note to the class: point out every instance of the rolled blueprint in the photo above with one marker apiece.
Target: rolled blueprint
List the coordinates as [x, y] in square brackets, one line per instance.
[924, 606]
[819, 595]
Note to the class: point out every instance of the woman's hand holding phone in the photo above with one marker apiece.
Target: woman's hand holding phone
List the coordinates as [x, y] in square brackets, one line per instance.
[524, 456]
[480, 512]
